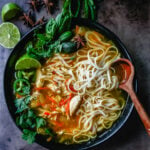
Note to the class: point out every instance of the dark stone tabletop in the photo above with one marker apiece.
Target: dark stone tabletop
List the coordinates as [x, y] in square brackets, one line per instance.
[130, 21]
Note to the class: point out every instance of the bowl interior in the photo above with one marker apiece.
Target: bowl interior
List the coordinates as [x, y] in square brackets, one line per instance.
[8, 90]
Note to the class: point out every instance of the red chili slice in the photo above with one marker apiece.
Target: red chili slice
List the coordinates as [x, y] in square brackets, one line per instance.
[51, 99]
[46, 113]
[42, 88]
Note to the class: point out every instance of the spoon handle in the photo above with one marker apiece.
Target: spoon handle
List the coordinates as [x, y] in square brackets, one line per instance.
[143, 115]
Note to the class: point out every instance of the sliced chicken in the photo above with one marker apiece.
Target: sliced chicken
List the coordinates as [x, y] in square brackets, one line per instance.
[74, 104]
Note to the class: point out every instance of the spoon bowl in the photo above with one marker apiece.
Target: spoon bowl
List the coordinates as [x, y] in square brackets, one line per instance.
[125, 69]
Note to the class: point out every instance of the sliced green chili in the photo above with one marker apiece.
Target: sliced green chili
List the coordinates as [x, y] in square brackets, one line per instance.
[18, 74]
[24, 75]
[21, 86]
[28, 75]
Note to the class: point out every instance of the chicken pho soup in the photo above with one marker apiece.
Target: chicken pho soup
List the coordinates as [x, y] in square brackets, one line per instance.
[73, 95]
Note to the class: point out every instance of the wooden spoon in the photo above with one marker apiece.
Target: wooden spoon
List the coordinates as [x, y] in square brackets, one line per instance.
[125, 69]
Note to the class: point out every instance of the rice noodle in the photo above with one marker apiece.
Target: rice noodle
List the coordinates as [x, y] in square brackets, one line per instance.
[92, 77]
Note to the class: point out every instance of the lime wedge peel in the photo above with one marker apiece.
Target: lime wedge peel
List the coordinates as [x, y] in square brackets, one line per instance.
[9, 11]
[27, 62]
[9, 35]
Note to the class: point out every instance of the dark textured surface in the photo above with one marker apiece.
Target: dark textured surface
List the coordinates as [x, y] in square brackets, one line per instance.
[129, 20]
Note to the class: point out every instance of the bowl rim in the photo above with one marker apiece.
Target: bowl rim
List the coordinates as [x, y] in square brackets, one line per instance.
[96, 26]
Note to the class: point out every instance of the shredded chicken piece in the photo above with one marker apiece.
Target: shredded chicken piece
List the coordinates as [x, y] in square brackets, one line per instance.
[74, 104]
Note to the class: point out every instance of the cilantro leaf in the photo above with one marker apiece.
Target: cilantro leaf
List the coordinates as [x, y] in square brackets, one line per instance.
[40, 122]
[31, 113]
[26, 90]
[29, 136]
[42, 40]
[21, 105]
[27, 99]
[49, 132]
[27, 119]
[30, 51]
[20, 120]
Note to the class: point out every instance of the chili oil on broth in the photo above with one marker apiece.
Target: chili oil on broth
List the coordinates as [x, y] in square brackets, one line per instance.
[78, 93]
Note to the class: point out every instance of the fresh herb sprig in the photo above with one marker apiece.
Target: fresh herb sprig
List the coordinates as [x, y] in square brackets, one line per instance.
[21, 86]
[28, 120]
[47, 44]
[53, 40]
[29, 136]
[26, 117]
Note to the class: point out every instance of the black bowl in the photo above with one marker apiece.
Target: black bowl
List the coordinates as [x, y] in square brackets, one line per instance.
[8, 90]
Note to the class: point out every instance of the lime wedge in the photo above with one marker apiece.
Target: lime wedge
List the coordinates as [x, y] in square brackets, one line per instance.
[9, 11]
[9, 35]
[27, 62]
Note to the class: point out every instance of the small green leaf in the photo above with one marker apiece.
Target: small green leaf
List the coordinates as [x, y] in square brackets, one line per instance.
[29, 121]
[26, 90]
[40, 122]
[20, 104]
[31, 114]
[27, 99]
[49, 132]
[29, 136]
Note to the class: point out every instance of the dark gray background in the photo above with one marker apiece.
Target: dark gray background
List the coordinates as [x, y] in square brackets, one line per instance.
[130, 21]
